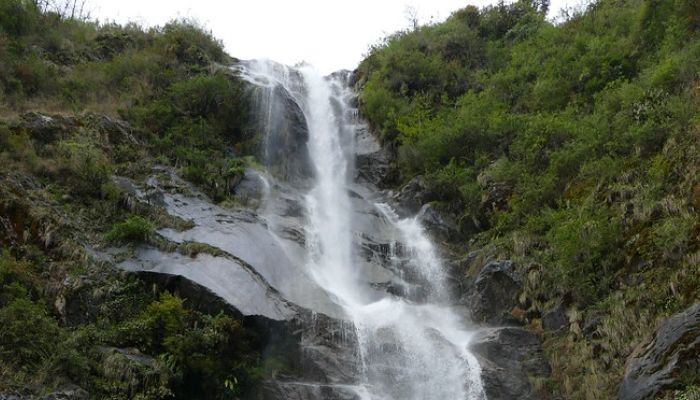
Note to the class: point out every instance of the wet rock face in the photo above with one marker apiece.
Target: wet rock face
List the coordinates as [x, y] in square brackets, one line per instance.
[371, 160]
[508, 357]
[440, 226]
[412, 196]
[275, 390]
[286, 133]
[495, 293]
[672, 352]
[251, 189]
[319, 355]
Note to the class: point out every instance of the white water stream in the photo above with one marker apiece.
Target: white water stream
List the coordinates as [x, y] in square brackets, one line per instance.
[409, 348]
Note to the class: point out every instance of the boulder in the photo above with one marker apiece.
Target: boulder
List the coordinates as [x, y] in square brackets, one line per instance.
[672, 353]
[590, 326]
[251, 189]
[75, 302]
[495, 293]
[371, 159]
[555, 318]
[45, 129]
[508, 358]
[412, 196]
[113, 131]
[440, 226]
[495, 196]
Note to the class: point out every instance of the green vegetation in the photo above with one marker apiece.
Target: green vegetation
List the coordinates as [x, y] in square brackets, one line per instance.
[171, 83]
[571, 148]
[66, 317]
[135, 229]
[194, 354]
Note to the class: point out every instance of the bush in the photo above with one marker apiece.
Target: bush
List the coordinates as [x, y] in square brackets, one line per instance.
[17, 280]
[18, 17]
[28, 336]
[135, 229]
[188, 42]
[85, 167]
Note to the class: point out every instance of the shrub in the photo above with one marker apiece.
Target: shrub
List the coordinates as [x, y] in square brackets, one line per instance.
[28, 335]
[18, 17]
[189, 42]
[85, 167]
[17, 279]
[135, 229]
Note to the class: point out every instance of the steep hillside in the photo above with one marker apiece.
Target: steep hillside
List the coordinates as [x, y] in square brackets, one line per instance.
[80, 102]
[569, 148]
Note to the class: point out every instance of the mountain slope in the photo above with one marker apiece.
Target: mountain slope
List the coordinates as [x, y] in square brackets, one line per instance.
[570, 148]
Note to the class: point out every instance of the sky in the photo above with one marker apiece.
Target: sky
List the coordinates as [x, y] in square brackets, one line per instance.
[328, 34]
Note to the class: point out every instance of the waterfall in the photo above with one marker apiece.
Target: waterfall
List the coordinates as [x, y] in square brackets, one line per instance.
[412, 344]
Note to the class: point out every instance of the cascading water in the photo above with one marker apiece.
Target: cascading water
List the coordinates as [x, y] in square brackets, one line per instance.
[411, 343]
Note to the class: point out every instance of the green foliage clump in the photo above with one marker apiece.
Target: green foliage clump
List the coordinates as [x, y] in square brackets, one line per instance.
[135, 229]
[16, 279]
[201, 351]
[84, 166]
[194, 355]
[18, 17]
[32, 344]
[190, 43]
[198, 125]
[29, 335]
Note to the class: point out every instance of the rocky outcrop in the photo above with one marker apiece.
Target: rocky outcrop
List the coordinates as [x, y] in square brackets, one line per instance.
[280, 119]
[495, 293]
[251, 188]
[412, 196]
[250, 270]
[112, 131]
[672, 352]
[439, 225]
[44, 128]
[67, 392]
[371, 160]
[275, 390]
[509, 357]
[288, 134]
[555, 318]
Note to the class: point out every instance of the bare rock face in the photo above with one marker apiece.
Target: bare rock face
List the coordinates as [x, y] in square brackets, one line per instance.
[300, 391]
[44, 129]
[671, 353]
[371, 159]
[555, 319]
[412, 196]
[508, 357]
[441, 226]
[495, 293]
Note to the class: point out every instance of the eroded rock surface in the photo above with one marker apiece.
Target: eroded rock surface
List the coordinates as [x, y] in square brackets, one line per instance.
[509, 357]
[496, 290]
[671, 353]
